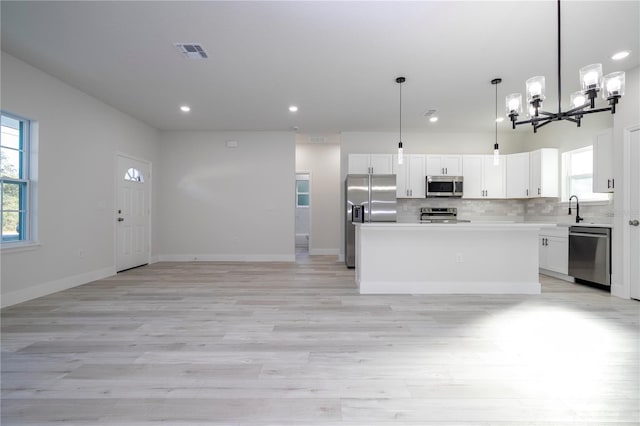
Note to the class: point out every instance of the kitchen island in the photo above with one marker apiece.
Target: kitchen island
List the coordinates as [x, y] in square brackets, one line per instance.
[447, 258]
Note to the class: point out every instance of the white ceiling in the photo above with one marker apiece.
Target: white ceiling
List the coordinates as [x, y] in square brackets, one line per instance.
[336, 60]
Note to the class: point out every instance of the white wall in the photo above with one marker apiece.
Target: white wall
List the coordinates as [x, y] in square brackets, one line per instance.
[79, 137]
[323, 162]
[220, 203]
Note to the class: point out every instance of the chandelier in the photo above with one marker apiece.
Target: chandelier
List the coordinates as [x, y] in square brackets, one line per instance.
[582, 102]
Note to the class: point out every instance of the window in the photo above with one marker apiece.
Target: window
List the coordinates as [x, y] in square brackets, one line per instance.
[134, 175]
[14, 178]
[302, 193]
[577, 174]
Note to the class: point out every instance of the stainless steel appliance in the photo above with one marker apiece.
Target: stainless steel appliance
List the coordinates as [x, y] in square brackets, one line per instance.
[369, 198]
[444, 186]
[590, 254]
[440, 215]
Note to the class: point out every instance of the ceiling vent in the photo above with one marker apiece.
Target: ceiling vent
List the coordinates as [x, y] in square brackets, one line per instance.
[192, 50]
[430, 112]
[317, 139]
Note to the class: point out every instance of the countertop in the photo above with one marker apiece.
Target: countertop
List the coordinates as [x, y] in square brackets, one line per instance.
[591, 225]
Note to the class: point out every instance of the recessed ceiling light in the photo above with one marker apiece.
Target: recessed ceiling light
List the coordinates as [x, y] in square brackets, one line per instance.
[185, 108]
[620, 55]
[293, 108]
[433, 119]
[500, 119]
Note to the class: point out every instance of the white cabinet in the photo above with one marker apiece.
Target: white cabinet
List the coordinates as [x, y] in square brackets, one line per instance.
[438, 165]
[370, 163]
[517, 175]
[483, 179]
[553, 249]
[543, 173]
[410, 176]
[603, 162]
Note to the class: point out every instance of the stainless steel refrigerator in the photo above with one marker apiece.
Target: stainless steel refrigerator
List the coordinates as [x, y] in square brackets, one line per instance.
[375, 197]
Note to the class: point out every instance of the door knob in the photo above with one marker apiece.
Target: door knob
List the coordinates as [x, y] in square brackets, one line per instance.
[120, 219]
[634, 222]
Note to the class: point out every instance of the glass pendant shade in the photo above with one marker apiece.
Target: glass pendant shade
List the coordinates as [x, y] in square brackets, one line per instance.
[496, 155]
[578, 99]
[400, 153]
[513, 103]
[591, 77]
[535, 88]
[613, 85]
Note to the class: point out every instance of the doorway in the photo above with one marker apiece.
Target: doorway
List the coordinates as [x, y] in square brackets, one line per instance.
[631, 235]
[303, 213]
[133, 220]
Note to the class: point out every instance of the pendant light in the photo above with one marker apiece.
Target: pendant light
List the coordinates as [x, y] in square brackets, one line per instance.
[400, 80]
[496, 148]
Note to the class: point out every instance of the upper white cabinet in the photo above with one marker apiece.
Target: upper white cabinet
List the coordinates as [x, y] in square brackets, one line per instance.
[543, 173]
[518, 175]
[444, 165]
[370, 164]
[483, 179]
[410, 176]
[603, 162]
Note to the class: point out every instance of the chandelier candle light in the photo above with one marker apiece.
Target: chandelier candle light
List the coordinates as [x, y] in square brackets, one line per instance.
[400, 80]
[582, 102]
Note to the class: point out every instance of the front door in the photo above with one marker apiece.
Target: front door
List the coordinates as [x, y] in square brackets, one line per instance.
[633, 220]
[132, 213]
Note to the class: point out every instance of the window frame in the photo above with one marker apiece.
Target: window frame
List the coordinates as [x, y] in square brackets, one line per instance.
[307, 193]
[567, 177]
[24, 182]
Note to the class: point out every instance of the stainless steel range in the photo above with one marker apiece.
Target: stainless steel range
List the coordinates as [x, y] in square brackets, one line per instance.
[439, 215]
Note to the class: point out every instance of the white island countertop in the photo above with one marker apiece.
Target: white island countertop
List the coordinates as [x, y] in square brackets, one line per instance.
[448, 258]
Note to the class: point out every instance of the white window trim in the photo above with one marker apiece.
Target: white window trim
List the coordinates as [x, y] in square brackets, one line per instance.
[564, 195]
[31, 163]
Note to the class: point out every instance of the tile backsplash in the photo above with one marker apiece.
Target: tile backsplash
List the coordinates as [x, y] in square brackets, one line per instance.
[531, 210]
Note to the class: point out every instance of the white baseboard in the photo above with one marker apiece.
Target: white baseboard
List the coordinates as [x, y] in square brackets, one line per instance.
[43, 289]
[411, 287]
[227, 257]
[153, 259]
[324, 252]
[556, 275]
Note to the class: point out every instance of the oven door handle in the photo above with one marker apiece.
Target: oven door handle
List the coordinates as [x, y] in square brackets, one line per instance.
[580, 234]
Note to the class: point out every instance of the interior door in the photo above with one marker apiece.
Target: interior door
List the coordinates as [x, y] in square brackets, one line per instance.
[634, 213]
[132, 213]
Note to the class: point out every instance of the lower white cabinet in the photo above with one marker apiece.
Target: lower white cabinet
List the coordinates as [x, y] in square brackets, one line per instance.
[553, 249]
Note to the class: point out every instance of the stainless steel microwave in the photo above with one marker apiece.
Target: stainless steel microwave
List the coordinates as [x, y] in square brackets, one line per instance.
[444, 186]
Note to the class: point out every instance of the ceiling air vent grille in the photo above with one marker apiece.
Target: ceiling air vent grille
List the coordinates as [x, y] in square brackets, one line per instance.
[317, 139]
[192, 50]
[430, 112]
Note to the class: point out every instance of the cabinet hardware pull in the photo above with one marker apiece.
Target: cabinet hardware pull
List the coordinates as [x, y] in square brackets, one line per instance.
[527, 192]
[608, 183]
[634, 222]
[613, 183]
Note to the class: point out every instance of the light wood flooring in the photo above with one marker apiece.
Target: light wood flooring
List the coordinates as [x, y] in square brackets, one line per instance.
[295, 344]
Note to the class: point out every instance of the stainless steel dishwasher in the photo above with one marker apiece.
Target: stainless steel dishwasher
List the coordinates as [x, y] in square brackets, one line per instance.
[590, 254]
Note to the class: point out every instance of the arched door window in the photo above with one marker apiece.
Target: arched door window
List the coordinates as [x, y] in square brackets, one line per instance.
[134, 175]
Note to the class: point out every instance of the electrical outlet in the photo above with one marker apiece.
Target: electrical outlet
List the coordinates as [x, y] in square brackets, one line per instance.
[81, 253]
[459, 258]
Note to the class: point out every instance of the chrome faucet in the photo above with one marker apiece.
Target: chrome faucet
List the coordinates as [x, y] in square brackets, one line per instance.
[578, 218]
